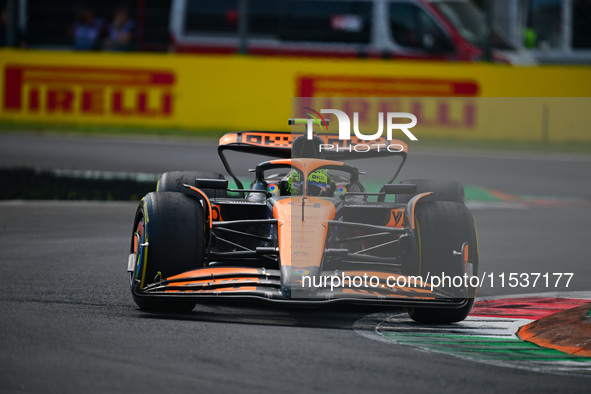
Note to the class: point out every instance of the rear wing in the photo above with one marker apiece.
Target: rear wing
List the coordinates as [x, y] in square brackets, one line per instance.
[278, 144]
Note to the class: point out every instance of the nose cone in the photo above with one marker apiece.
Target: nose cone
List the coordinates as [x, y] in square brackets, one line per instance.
[302, 233]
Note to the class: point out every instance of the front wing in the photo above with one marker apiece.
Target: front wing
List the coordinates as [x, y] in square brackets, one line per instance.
[260, 284]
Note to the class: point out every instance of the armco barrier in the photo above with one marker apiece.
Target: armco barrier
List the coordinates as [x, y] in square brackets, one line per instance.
[236, 92]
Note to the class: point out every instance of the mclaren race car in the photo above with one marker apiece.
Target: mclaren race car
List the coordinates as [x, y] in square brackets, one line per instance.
[305, 231]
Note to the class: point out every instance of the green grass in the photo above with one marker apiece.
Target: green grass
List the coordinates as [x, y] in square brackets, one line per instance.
[499, 146]
[101, 130]
[95, 130]
[31, 184]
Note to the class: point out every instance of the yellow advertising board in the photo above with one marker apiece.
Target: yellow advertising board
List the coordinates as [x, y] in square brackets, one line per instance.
[245, 92]
[542, 119]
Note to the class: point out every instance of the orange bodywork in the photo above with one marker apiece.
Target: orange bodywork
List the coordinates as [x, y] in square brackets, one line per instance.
[211, 273]
[307, 165]
[396, 218]
[421, 288]
[303, 220]
[301, 242]
[412, 214]
[206, 202]
[215, 271]
[220, 290]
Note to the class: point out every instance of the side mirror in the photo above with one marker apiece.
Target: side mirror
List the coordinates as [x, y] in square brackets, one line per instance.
[436, 43]
[215, 184]
[401, 188]
[428, 42]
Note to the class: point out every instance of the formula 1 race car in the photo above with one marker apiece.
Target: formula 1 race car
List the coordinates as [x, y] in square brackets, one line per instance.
[305, 232]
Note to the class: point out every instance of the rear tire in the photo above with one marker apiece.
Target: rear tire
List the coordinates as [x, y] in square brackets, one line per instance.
[442, 191]
[172, 226]
[173, 182]
[442, 227]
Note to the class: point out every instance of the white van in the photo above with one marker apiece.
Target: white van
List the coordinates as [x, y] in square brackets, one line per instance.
[453, 30]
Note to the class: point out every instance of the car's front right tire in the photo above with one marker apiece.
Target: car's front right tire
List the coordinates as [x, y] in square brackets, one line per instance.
[442, 227]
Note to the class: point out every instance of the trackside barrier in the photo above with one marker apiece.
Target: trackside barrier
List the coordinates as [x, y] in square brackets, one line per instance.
[466, 101]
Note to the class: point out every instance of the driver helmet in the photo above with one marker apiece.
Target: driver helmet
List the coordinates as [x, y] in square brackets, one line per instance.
[319, 181]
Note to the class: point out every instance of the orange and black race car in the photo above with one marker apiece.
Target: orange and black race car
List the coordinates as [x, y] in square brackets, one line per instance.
[305, 232]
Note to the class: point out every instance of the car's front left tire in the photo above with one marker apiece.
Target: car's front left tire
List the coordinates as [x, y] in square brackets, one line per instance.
[168, 239]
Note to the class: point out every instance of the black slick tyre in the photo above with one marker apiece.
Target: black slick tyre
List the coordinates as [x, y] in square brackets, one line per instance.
[442, 227]
[170, 227]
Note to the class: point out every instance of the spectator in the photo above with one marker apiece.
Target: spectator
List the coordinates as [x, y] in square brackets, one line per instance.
[121, 32]
[88, 30]
[3, 21]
